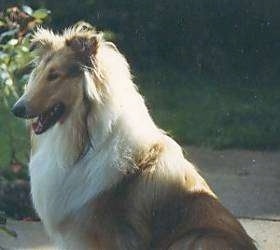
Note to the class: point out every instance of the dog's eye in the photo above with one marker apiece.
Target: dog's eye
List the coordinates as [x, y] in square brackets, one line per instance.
[53, 75]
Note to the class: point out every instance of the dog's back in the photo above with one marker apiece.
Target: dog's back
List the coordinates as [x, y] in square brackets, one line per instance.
[164, 204]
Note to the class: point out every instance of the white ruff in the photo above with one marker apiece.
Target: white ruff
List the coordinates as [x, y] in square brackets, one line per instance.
[58, 190]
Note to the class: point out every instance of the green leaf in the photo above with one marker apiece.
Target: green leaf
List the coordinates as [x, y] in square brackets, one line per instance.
[5, 147]
[28, 10]
[8, 231]
[13, 42]
[2, 23]
[24, 49]
[9, 33]
[41, 13]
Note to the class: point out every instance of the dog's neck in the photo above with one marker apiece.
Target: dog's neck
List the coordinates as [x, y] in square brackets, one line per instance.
[123, 122]
[120, 114]
[115, 138]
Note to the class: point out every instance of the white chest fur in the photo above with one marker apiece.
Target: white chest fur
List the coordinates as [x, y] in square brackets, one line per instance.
[58, 189]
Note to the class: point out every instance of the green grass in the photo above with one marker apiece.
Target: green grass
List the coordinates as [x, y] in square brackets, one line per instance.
[201, 112]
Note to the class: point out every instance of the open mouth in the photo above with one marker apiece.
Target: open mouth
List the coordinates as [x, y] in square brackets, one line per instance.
[48, 118]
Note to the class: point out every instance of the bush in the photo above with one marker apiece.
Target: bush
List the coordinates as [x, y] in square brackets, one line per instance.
[15, 26]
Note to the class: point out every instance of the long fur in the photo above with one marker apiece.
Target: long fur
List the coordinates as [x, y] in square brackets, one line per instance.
[108, 177]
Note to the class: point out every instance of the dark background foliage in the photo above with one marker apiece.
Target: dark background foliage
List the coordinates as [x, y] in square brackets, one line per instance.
[223, 39]
[220, 59]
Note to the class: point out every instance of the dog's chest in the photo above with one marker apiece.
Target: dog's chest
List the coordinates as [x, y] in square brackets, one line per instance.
[47, 188]
[59, 190]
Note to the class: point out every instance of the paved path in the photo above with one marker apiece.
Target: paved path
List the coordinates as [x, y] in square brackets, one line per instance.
[247, 182]
[31, 235]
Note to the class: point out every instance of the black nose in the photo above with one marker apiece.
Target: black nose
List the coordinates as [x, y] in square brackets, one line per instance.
[19, 109]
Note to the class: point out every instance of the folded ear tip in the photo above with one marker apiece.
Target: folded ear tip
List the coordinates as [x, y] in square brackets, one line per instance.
[83, 26]
[39, 45]
[84, 45]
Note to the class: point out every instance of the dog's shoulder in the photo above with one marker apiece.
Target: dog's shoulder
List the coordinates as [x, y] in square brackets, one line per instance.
[161, 204]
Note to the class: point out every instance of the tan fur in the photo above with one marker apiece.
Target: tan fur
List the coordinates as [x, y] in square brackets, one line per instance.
[157, 199]
[148, 159]
[145, 211]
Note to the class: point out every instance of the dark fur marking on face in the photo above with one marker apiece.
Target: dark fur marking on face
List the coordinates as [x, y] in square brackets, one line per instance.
[84, 47]
[73, 70]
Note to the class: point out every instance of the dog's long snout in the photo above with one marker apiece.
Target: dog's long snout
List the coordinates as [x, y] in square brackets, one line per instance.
[19, 109]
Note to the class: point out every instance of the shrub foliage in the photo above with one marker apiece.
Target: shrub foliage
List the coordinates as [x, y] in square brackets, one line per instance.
[15, 25]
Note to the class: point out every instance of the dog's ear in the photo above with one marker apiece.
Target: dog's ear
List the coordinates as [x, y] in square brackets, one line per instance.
[42, 41]
[85, 47]
[40, 46]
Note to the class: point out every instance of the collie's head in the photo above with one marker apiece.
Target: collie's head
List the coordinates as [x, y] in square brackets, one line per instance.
[81, 89]
[68, 71]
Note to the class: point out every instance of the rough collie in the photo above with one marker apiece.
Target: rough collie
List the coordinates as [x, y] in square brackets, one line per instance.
[103, 175]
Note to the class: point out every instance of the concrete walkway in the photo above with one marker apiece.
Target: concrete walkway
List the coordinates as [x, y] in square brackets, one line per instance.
[248, 183]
